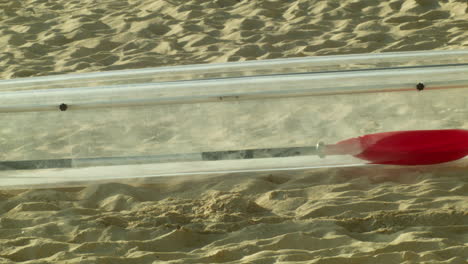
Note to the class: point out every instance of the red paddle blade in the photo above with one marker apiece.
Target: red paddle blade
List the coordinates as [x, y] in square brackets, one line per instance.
[416, 147]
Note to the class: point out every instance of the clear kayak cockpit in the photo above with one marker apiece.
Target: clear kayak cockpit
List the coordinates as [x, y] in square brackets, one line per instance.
[280, 114]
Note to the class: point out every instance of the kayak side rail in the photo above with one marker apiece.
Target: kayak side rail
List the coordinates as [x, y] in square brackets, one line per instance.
[239, 69]
[263, 95]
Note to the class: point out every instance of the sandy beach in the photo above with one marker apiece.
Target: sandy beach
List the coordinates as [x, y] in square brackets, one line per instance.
[43, 38]
[326, 216]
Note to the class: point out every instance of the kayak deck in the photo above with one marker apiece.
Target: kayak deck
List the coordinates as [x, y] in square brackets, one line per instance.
[276, 113]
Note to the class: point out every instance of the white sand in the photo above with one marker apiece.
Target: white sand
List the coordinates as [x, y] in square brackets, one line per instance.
[352, 215]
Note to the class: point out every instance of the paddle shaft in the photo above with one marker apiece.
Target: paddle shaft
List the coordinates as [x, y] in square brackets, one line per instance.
[205, 156]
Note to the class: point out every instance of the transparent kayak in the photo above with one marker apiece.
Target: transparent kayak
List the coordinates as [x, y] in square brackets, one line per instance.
[242, 117]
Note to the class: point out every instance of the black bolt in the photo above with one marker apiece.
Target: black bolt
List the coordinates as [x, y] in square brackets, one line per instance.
[420, 86]
[63, 107]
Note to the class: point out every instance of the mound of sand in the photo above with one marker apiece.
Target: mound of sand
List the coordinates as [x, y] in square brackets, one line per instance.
[326, 216]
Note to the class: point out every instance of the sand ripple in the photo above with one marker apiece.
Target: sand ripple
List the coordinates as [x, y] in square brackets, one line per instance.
[323, 217]
[345, 216]
[41, 37]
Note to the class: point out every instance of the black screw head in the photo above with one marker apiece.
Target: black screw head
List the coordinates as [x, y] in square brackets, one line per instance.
[63, 107]
[420, 86]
